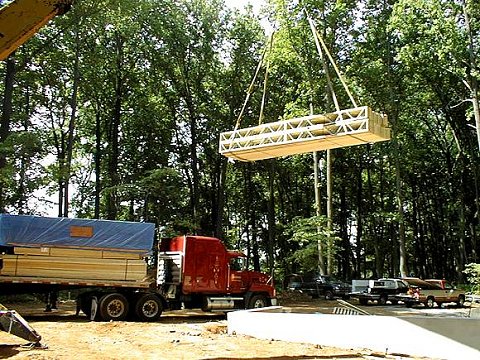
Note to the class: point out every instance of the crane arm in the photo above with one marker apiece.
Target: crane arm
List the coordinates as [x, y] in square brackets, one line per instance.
[21, 19]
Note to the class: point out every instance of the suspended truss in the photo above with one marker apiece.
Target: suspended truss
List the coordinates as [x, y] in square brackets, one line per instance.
[342, 128]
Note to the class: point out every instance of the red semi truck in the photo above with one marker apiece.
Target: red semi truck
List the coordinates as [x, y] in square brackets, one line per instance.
[184, 272]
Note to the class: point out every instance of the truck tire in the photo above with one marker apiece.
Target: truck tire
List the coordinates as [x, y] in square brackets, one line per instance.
[84, 302]
[148, 307]
[382, 300]
[113, 306]
[258, 301]
[363, 301]
[461, 301]
[430, 303]
[329, 295]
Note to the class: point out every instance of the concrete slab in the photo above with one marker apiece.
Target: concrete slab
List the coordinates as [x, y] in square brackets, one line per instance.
[439, 338]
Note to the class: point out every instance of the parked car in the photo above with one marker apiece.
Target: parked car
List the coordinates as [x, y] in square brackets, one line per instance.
[430, 293]
[317, 285]
[381, 291]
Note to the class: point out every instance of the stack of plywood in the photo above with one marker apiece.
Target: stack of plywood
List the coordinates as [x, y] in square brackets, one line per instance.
[78, 264]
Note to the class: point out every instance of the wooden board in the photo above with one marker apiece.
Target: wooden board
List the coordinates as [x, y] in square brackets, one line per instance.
[306, 134]
[83, 253]
[73, 267]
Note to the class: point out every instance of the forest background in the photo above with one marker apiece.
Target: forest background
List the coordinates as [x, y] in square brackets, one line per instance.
[116, 107]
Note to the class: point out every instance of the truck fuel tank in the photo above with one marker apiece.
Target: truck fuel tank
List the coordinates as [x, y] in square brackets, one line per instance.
[220, 303]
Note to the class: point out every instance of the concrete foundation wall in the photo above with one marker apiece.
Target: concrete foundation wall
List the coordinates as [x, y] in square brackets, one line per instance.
[442, 338]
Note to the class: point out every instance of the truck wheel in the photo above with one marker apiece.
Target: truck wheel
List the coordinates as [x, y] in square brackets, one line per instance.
[258, 301]
[328, 295]
[84, 303]
[383, 299]
[148, 308]
[430, 302]
[461, 301]
[113, 307]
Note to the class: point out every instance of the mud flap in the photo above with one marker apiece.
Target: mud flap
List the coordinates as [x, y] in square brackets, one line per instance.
[12, 323]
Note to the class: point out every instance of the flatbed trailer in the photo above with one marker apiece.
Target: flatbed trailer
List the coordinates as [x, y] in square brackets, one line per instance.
[116, 281]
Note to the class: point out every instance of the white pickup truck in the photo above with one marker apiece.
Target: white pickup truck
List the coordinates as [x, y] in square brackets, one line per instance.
[381, 291]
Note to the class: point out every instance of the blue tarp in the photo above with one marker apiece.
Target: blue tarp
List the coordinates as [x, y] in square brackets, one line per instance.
[28, 230]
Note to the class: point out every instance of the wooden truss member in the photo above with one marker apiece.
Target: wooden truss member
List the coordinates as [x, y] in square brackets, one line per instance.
[358, 125]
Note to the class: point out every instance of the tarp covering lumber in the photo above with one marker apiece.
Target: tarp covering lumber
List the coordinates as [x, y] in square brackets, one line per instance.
[36, 231]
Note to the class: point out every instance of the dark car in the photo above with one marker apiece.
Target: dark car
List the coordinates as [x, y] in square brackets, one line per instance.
[317, 285]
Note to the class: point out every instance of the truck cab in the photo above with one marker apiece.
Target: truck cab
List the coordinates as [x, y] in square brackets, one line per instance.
[198, 271]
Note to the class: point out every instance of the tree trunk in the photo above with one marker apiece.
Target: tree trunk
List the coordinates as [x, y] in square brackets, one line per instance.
[71, 126]
[97, 159]
[113, 134]
[193, 159]
[330, 251]
[271, 215]
[6, 119]
[220, 198]
[318, 210]
[401, 225]
[473, 71]
[358, 244]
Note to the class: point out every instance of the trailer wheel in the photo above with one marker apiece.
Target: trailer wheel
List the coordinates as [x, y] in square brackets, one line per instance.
[148, 308]
[258, 301]
[113, 307]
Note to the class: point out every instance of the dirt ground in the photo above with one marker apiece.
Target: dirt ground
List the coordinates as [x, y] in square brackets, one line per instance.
[178, 335]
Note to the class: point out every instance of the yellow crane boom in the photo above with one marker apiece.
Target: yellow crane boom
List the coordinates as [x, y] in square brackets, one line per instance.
[21, 19]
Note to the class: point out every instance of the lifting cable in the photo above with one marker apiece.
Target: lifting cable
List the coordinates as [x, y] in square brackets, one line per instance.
[319, 40]
[252, 84]
[264, 95]
[321, 48]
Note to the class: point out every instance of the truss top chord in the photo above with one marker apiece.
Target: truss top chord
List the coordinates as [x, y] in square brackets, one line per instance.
[342, 128]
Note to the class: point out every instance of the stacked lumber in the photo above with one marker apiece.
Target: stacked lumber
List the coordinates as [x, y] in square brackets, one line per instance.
[69, 252]
[78, 264]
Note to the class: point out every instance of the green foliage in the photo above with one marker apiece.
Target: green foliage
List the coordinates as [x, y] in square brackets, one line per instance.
[473, 276]
[306, 233]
